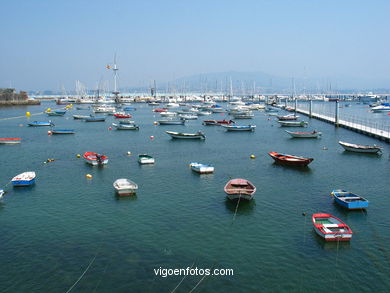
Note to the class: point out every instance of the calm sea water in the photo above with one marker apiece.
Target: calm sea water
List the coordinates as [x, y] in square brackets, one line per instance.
[67, 225]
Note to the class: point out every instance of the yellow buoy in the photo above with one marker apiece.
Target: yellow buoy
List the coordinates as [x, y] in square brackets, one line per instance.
[48, 110]
[28, 114]
[88, 176]
[78, 156]
[253, 157]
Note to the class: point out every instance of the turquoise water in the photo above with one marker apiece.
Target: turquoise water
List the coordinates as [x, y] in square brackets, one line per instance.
[52, 232]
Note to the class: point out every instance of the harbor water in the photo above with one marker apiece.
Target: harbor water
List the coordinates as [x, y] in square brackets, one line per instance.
[68, 230]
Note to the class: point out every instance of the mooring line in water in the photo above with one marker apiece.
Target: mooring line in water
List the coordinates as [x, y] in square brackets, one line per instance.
[82, 275]
[185, 276]
[235, 211]
[201, 280]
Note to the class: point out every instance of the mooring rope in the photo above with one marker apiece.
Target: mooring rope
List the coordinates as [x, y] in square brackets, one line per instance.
[185, 276]
[82, 275]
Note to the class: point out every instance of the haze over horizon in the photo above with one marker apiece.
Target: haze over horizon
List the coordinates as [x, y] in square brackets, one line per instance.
[49, 44]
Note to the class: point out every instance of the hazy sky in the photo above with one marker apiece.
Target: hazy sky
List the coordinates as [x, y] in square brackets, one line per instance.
[48, 43]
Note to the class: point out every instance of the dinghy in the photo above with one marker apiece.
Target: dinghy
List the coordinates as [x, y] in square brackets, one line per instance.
[197, 135]
[360, 148]
[201, 168]
[10, 140]
[293, 123]
[95, 159]
[290, 160]
[240, 127]
[125, 126]
[145, 159]
[125, 187]
[313, 134]
[24, 179]
[240, 189]
[37, 124]
[349, 200]
[331, 228]
[62, 131]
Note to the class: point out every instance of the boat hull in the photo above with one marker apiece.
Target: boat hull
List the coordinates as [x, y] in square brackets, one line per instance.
[185, 135]
[335, 237]
[162, 122]
[360, 150]
[304, 134]
[201, 168]
[290, 160]
[21, 183]
[10, 140]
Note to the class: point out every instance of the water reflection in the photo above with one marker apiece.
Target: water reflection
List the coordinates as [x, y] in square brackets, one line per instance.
[244, 207]
[330, 246]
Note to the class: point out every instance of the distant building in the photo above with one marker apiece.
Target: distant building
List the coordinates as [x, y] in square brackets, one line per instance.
[9, 96]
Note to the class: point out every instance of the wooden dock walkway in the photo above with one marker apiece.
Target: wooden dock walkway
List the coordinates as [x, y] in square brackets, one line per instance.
[360, 128]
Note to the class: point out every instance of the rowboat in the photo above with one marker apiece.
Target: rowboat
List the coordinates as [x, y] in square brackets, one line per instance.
[201, 168]
[10, 140]
[218, 122]
[349, 200]
[290, 160]
[360, 148]
[240, 189]
[81, 117]
[188, 117]
[331, 228]
[240, 127]
[95, 119]
[197, 135]
[62, 131]
[247, 115]
[126, 121]
[297, 134]
[288, 117]
[37, 124]
[171, 122]
[159, 110]
[24, 179]
[95, 159]
[125, 187]
[168, 114]
[125, 126]
[122, 115]
[145, 159]
[56, 113]
[293, 123]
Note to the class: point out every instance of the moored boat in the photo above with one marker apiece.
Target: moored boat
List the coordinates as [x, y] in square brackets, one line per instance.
[122, 115]
[126, 121]
[125, 126]
[95, 159]
[37, 124]
[125, 187]
[197, 135]
[81, 117]
[246, 115]
[288, 117]
[95, 119]
[62, 131]
[293, 123]
[349, 200]
[201, 168]
[171, 122]
[331, 228]
[297, 134]
[240, 189]
[360, 148]
[10, 140]
[24, 179]
[217, 122]
[290, 160]
[239, 127]
[56, 113]
[145, 159]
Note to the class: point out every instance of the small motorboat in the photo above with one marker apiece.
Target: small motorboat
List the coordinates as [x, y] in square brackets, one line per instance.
[204, 113]
[361, 148]
[197, 135]
[56, 113]
[240, 127]
[240, 189]
[171, 122]
[24, 179]
[349, 200]
[384, 107]
[37, 124]
[10, 140]
[122, 115]
[293, 123]
[81, 117]
[288, 117]
[145, 159]
[247, 115]
[126, 121]
[218, 122]
[168, 114]
[95, 119]
[95, 159]
[331, 228]
[62, 131]
[290, 160]
[313, 134]
[201, 168]
[188, 117]
[125, 126]
[125, 187]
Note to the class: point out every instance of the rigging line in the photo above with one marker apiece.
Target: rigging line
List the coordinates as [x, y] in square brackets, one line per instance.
[185, 276]
[82, 275]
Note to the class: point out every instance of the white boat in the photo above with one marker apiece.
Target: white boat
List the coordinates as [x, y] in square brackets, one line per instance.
[125, 126]
[172, 105]
[240, 127]
[1, 193]
[171, 122]
[385, 107]
[297, 134]
[168, 114]
[360, 148]
[247, 115]
[145, 159]
[105, 109]
[188, 117]
[201, 168]
[24, 179]
[293, 123]
[125, 187]
[197, 135]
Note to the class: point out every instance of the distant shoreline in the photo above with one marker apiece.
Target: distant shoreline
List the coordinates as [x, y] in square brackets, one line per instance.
[19, 103]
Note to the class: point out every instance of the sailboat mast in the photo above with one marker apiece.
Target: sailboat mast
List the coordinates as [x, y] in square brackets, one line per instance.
[115, 92]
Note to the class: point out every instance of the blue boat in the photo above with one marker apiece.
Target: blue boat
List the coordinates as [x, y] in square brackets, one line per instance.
[349, 200]
[63, 131]
[95, 119]
[56, 113]
[24, 179]
[37, 123]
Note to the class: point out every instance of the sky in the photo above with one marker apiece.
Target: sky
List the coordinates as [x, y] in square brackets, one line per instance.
[50, 44]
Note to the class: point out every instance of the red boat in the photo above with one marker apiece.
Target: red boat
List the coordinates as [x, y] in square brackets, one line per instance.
[122, 115]
[290, 160]
[10, 140]
[217, 122]
[331, 228]
[95, 158]
[159, 110]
